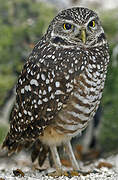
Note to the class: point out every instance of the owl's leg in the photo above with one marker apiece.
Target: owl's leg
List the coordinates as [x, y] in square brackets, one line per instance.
[60, 170]
[56, 157]
[71, 155]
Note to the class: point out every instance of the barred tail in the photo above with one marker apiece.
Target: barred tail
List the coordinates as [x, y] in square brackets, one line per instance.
[11, 145]
[39, 151]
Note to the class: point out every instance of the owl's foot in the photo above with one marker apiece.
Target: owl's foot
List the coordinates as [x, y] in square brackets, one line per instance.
[69, 173]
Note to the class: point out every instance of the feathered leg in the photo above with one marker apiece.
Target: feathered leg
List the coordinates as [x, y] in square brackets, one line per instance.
[60, 170]
[56, 157]
[71, 155]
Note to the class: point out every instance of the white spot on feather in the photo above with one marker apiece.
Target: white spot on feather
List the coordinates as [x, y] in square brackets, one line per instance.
[25, 112]
[28, 88]
[22, 91]
[39, 102]
[57, 84]
[43, 77]
[38, 76]
[34, 82]
[20, 115]
[49, 88]
[45, 99]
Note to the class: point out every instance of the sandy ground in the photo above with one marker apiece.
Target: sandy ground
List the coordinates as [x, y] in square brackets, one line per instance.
[100, 169]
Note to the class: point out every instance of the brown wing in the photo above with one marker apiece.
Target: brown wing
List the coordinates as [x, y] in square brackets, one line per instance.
[46, 82]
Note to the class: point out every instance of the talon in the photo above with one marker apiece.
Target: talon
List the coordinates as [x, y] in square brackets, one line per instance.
[75, 173]
[69, 174]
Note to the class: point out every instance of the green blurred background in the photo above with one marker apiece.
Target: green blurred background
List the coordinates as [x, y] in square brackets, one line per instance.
[22, 23]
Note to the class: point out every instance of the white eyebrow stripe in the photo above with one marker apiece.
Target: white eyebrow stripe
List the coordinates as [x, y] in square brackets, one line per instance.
[67, 21]
[71, 22]
[78, 26]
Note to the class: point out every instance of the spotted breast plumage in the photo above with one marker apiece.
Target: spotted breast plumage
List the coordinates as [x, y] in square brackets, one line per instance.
[61, 84]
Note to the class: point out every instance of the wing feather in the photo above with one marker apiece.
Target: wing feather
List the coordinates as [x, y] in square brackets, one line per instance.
[44, 86]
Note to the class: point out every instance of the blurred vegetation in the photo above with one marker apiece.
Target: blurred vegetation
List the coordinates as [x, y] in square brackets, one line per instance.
[109, 129]
[22, 24]
[3, 131]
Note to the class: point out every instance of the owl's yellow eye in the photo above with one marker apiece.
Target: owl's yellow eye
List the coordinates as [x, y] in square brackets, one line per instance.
[67, 26]
[92, 24]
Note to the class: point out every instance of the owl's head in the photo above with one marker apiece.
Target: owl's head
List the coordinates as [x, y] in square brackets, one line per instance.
[76, 26]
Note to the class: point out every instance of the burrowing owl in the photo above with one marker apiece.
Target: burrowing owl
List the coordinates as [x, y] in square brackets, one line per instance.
[61, 84]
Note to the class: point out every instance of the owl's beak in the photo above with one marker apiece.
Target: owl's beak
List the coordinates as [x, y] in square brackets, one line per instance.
[83, 35]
